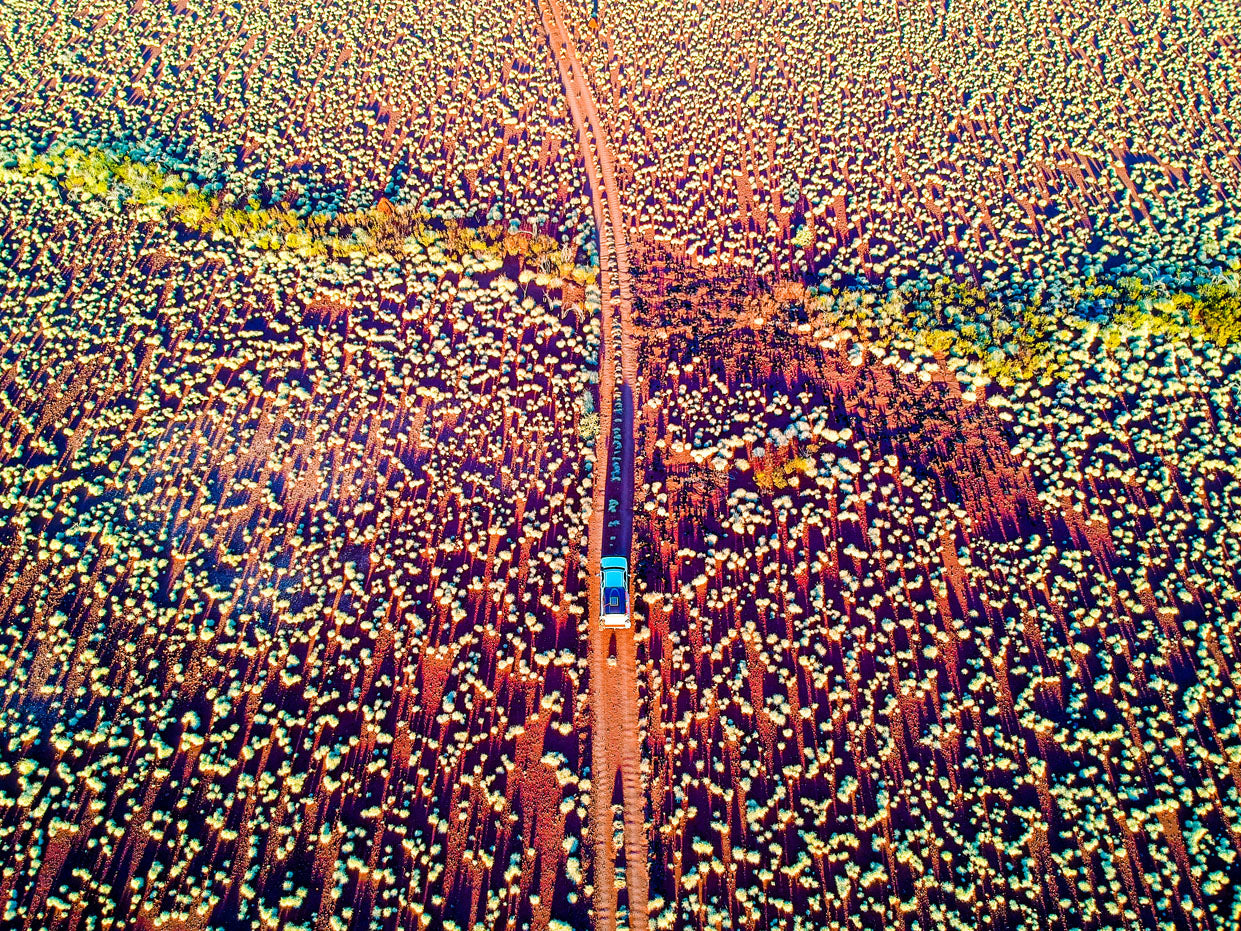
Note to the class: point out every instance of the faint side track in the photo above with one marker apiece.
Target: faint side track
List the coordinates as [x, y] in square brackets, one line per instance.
[616, 742]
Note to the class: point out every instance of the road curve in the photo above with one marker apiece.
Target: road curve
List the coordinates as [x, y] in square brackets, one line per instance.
[615, 738]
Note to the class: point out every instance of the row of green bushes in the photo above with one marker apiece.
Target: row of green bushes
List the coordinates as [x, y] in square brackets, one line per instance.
[382, 229]
[1021, 341]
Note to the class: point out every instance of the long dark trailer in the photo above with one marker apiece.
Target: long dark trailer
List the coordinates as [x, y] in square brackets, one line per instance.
[618, 528]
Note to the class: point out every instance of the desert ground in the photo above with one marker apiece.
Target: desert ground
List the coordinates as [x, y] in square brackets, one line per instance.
[894, 346]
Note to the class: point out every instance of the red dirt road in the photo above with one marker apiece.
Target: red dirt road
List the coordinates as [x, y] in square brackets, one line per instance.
[616, 747]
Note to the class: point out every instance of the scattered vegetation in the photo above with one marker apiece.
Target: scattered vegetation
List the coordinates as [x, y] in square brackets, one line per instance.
[928, 653]
[334, 509]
